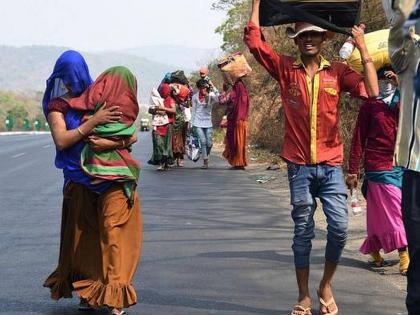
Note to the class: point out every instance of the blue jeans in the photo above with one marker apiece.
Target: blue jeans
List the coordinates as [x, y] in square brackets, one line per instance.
[205, 137]
[325, 182]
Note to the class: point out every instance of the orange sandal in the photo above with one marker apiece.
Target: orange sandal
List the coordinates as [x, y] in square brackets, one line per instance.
[300, 310]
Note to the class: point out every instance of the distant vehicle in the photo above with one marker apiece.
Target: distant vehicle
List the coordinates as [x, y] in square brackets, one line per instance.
[144, 124]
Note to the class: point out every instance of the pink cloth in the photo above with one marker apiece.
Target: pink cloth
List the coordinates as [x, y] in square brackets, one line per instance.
[385, 228]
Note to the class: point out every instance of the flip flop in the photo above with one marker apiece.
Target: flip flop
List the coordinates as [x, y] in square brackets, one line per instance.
[84, 306]
[300, 310]
[327, 305]
[115, 311]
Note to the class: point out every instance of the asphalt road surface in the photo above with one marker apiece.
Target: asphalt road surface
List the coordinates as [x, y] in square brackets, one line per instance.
[214, 242]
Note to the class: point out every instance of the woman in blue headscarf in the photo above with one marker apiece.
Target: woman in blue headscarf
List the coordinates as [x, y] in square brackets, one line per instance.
[80, 253]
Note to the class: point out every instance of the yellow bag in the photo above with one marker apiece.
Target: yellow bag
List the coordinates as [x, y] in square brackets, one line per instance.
[235, 65]
[377, 45]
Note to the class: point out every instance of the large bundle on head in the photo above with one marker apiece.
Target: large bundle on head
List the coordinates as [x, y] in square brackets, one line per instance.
[176, 77]
[235, 65]
[377, 45]
[328, 14]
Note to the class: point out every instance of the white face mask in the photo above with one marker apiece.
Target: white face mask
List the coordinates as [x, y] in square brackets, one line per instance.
[386, 88]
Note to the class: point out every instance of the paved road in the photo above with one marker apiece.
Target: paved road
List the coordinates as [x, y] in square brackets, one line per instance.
[214, 243]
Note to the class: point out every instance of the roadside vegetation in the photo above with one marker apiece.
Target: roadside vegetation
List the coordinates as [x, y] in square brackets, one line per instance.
[266, 122]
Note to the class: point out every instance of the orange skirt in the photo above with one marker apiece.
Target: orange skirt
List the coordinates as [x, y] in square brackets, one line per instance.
[240, 142]
[100, 247]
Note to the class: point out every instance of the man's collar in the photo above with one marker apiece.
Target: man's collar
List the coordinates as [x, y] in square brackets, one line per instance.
[324, 63]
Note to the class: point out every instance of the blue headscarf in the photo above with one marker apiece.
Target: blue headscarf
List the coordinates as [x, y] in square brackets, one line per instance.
[71, 71]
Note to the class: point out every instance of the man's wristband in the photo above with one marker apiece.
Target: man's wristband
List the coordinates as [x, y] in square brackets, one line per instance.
[367, 60]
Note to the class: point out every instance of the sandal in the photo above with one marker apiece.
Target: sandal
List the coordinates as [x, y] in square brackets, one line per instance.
[84, 305]
[300, 310]
[180, 163]
[327, 305]
[116, 311]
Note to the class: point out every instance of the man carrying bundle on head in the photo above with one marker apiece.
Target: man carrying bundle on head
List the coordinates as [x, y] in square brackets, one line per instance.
[310, 88]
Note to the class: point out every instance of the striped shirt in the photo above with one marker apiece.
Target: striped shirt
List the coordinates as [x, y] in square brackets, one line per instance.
[405, 56]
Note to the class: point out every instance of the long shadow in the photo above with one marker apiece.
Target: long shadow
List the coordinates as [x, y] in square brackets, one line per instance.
[272, 255]
[155, 298]
[42, 307]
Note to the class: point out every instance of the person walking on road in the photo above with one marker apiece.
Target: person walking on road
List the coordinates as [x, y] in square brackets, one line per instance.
[162, 134]
[86, 263]
[236, 99]
[310, 88]
[202, 123]
[180, 94]
[404, 46]
[374, 138]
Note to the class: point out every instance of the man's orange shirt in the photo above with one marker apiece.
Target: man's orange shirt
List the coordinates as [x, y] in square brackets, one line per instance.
[312, 133]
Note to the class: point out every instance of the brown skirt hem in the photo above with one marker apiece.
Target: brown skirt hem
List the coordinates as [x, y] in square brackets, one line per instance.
[97, 294]
[59, 288]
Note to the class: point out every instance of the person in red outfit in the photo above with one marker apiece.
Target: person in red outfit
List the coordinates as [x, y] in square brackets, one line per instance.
[310, 88]
[374, 137]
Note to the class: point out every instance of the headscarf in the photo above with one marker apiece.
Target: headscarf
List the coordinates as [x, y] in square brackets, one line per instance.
[71, 71]
[204, 71]
[116, 86]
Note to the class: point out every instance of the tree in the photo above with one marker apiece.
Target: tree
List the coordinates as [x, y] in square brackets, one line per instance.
[18, 113]
[232, 28]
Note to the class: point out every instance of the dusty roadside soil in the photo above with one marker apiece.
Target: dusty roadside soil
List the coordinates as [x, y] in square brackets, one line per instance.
[275, 181]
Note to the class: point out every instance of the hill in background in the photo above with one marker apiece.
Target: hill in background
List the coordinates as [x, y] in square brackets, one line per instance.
[186, 58]
[25, 69]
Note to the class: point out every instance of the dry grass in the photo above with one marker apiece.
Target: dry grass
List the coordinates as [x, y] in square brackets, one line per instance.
[266, 121]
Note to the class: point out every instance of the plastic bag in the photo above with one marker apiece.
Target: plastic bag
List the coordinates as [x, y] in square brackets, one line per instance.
[377, 45]
[193, 149]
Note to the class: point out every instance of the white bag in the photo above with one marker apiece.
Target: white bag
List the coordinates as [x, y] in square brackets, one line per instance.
[193, 149]
[187, 114]
[160, 120]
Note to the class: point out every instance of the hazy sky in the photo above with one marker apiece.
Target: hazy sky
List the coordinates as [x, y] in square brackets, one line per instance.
[109, 24]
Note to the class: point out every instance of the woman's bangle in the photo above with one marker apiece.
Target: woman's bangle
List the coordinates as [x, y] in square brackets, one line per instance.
[81, 132]
[123, 143]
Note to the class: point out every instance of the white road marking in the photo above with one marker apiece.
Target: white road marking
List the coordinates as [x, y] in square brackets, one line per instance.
[46, 146]
[17, 155]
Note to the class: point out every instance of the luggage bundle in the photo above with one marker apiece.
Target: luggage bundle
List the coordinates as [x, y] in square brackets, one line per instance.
[328, 14]
[377, 45]
[176, 77]
[235, 65]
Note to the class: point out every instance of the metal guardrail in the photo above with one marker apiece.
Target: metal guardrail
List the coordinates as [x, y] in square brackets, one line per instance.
[16, 133]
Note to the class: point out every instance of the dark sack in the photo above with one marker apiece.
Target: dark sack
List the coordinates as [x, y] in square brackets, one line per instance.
[331, 15]
[179, 77]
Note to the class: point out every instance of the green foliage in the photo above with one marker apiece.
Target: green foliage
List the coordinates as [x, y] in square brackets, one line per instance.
[266, 118]
[19, 107]
[225, 4]
[232, 29]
